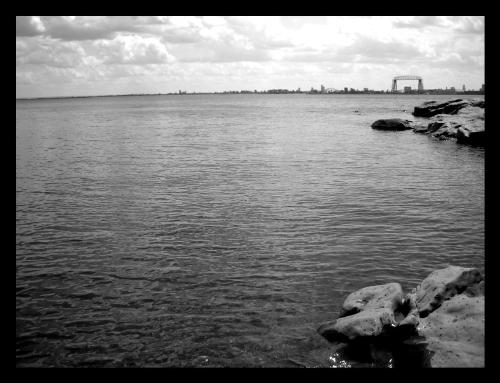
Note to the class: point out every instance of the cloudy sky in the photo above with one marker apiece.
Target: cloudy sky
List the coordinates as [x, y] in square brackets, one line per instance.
[78, 55]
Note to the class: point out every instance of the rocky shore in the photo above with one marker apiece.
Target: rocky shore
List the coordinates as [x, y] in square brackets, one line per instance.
[440, 323]
[460, 120]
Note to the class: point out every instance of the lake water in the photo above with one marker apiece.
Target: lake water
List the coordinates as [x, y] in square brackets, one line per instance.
[222, 230]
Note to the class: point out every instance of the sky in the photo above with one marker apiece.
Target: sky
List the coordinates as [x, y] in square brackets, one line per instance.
[92, 55]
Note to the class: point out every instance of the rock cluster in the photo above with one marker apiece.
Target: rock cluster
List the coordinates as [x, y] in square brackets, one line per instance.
[460, 120]
[445, 313]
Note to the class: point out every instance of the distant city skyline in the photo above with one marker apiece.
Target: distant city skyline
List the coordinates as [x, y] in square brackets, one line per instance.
[85, 56]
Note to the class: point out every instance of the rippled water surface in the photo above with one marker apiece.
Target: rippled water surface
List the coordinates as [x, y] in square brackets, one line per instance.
[221, 230]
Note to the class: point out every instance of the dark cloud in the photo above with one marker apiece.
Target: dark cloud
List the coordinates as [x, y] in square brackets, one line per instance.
[26, 27]
[87, 28]
[82, 29]
[470, 25]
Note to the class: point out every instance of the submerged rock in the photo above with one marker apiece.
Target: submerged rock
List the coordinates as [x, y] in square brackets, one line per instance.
[392, 124]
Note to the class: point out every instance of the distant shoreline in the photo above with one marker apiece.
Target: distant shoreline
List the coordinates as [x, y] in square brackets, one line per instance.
[444, 93]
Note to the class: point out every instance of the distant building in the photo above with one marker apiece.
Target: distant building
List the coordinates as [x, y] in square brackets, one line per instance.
[407, 89]
[463, 88]
[365, 89]
[345, 90]
[482, 88]
[323, 90]
[452, 89]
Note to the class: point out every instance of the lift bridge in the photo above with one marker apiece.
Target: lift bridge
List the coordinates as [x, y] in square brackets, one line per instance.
[407, 77]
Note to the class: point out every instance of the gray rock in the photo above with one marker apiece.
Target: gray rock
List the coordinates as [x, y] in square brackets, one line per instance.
[412, 317]
[440, 323]
[368, 312]
[389, 296]
[392, 124]
[471, 112]
[367, 323]
[431, 108]
[443, 284]
[454, 332]
[446, 131]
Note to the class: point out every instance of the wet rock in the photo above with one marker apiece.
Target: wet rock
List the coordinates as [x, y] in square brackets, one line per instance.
[420, 128]
[471, 135]
[392, 124]
[443, 284]
[432, 108]
[454, 332]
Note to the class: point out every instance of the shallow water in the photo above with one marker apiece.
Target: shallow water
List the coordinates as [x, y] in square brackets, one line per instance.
[221, 230]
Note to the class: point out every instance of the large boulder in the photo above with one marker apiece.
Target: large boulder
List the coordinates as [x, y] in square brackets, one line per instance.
[443, 284]
[392, 124]
[431, 108]
[368, 323]
[388, 296]
[454, 333]
[368, 312]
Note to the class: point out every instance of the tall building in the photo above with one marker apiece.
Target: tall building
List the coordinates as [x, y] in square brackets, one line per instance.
[345, 90]
[463, 87]
[482, 88]
[322, 89]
